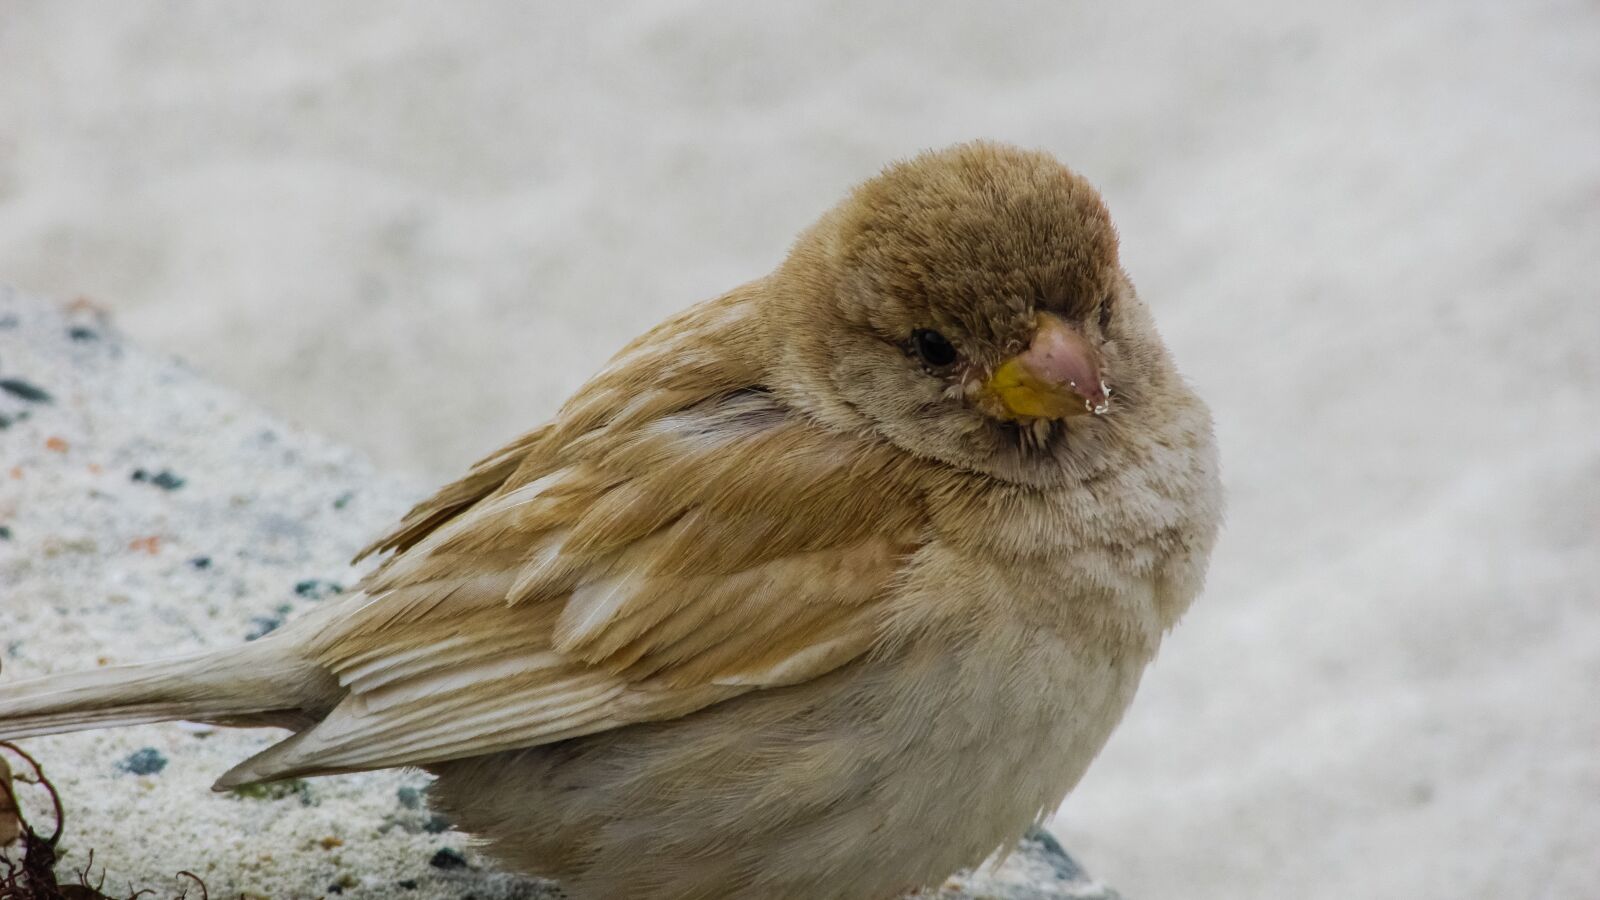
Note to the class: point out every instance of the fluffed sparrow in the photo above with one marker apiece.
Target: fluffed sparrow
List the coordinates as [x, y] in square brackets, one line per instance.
[824, 588]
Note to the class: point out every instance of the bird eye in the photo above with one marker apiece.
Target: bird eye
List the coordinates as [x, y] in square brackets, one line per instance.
[932, 348]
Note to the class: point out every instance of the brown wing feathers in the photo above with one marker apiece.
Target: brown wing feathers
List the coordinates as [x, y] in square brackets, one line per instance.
[675, 537]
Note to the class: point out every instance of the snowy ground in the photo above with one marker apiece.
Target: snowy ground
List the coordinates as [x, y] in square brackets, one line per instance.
[1371, 231]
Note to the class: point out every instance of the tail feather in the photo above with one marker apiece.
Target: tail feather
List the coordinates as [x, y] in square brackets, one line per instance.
[262, 678]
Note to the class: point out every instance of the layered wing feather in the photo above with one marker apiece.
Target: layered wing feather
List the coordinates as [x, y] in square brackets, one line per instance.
[676, 537]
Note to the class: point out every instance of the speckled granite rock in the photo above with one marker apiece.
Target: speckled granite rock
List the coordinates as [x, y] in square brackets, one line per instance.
[145, 511]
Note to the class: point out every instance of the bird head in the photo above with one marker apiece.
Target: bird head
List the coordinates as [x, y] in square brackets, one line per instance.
[968, 305]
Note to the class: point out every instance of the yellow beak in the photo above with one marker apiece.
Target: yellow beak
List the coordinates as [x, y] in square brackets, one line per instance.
[1057, 377]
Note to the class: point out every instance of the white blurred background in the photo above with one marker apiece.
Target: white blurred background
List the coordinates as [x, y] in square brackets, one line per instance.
[1371, 231]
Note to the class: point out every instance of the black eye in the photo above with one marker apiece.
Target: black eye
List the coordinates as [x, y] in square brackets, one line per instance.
[932, 348]
[1105, 313]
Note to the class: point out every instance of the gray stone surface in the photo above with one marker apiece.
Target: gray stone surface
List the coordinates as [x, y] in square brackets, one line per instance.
[145, 512]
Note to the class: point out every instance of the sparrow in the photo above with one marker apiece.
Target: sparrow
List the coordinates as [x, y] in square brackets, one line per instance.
[824, 588]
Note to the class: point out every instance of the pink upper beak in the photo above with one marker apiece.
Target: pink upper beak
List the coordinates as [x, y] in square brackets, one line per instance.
[1056, 377]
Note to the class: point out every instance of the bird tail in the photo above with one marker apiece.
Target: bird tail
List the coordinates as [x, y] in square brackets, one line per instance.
[259, 681]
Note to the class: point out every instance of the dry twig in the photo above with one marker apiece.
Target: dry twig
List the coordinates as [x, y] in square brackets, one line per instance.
[31, 875]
